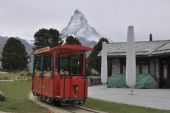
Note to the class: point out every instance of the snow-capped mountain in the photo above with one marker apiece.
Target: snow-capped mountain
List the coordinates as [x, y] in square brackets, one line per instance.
[30, 42]
[79, 27]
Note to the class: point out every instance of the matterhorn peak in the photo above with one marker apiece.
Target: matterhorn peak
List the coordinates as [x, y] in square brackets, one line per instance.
[77, 21]
[78, 26]
[77, 12]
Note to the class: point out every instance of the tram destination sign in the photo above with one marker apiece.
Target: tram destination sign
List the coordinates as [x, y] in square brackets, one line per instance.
[42, 50]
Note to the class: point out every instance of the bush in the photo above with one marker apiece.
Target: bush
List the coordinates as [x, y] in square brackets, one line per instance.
[22, 74]
[6, 78]
[28, 74]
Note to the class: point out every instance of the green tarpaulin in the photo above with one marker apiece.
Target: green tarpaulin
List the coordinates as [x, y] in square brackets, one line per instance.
[116, 81]
[146, 81]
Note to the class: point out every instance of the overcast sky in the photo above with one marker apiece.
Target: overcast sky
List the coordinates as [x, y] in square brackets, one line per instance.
[22, 18]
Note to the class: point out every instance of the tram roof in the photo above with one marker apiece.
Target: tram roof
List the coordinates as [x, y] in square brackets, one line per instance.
[63, 49]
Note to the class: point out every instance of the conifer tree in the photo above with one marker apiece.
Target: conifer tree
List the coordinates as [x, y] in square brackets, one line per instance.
[47, 37]
[72, 40]
[14, 55]
[94, 61]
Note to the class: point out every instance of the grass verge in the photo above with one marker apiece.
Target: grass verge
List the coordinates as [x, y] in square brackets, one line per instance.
[112, 107]
[15, 75]
[17, 98]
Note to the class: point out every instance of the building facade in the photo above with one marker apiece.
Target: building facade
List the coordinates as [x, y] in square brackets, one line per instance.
[152, 57]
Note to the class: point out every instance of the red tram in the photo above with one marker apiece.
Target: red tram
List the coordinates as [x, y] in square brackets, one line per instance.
[59, 74]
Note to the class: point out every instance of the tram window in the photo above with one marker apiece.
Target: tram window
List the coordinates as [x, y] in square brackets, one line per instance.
[69, 65]
[76, 64]
[47, 65]
[37, 67]
[57, 65]
[64, 65]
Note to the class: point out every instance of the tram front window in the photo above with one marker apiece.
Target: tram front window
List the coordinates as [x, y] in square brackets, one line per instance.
[64, 66]
[70, 65]
[76, 65]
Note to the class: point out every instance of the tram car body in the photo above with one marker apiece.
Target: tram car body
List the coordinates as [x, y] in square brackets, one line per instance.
[59, 74]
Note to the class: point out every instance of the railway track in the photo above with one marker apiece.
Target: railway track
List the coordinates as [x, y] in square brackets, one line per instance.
[80, 109]
[63, 109]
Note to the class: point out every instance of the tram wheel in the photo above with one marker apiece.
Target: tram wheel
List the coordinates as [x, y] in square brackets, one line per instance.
[34, 94]
[39, 97]
[83, 101]
[49, 100]
[58, 103]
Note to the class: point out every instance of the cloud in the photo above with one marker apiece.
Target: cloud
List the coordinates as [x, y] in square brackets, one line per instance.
[109, 17]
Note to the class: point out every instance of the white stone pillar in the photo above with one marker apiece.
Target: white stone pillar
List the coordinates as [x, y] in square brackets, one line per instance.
[130, 60]
[104, 64]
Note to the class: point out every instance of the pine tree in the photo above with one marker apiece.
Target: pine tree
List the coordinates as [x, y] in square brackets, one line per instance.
[47, 37]
[93, 60]
[72, 40]
[14, 55]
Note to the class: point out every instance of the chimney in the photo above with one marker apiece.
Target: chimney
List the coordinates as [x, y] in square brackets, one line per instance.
[150, 37]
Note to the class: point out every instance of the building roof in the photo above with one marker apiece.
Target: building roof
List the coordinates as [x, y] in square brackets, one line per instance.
[143, 48]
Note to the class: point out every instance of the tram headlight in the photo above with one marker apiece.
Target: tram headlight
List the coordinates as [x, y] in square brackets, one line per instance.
[76, 88]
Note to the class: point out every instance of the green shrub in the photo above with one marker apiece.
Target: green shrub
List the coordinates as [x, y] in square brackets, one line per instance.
[22, 74]
[6, 78]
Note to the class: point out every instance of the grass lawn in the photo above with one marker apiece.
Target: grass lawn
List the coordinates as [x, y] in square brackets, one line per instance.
[17, 98]
[111, 107]
[17, 101]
